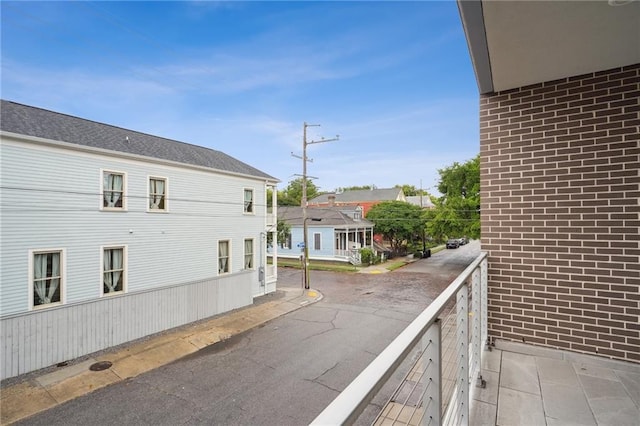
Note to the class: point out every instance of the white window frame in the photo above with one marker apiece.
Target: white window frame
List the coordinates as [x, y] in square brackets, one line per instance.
[125, 269]
[357, 214]
[228, 271]
[124, 191]
[63, 276]
[166, 191]
[317, 238]
[253, 254]
[253, 201]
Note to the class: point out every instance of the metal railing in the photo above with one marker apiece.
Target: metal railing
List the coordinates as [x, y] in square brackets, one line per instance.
[436, 361]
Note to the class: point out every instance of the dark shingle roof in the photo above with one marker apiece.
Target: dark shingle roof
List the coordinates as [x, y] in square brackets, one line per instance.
[32, 121]
[332, 217]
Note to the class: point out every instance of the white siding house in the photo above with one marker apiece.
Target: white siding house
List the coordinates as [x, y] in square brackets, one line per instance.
[108, 235]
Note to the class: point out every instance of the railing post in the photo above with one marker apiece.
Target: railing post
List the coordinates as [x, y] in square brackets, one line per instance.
[432, 400]
[483, 300]
[476, 329]
[461, 412]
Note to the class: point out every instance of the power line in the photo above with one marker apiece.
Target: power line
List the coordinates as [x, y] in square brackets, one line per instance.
[126, 196]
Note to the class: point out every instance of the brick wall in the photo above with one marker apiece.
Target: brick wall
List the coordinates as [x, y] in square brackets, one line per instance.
[560, 178]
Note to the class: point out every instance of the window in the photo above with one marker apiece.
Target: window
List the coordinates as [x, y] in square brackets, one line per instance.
[113, 270]
[248, 200]
[157, 194]
[223, 257]
[47, 278]
[316, 241]
[357, 214]
[248, 254]
[113, 190]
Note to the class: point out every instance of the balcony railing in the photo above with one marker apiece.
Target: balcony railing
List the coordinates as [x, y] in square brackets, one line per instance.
[437, 358]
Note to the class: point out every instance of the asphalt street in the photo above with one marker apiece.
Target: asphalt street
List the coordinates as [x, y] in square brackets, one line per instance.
[285, 372]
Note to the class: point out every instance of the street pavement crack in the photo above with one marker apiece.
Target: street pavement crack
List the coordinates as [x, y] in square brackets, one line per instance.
[317, 378]
[324, 385]
[320, 333]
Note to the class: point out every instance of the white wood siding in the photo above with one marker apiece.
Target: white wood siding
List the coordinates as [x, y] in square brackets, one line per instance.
[50, 197]
[42, 338]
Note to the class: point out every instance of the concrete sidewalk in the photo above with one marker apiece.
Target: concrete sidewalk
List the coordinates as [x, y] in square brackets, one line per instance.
[36, 392]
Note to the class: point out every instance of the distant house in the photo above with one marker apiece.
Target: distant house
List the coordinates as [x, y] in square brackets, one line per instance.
[365, 198]
[109, 235]
[336, 233]
[423, 201]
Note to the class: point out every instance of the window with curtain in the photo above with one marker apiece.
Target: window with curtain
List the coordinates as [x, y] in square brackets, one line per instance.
[113, 270]
[47, 278]
[157, 191]
[113, 190]
[248, 200]
[223, 257]
[248, 254]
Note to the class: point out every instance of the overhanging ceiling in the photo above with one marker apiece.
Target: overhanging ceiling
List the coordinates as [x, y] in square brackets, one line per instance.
[517, 43]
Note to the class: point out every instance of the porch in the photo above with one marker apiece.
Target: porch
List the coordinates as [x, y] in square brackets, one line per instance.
[531, 385]
[440, 370]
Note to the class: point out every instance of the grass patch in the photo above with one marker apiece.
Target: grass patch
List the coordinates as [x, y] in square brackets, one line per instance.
[437, 249]
[395, 265]
[319, 266]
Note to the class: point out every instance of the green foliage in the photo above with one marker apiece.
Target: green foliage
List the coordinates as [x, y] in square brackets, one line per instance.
[397, 221]
[457, 211]
[270, 198]
[283, 229]
[292, 194]
[368, 256]
[410, 190]
[356, 188]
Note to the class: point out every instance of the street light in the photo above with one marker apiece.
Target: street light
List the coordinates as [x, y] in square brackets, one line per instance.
[306, 248]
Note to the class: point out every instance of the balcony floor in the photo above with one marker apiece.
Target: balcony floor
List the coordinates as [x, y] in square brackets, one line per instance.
[529, 385]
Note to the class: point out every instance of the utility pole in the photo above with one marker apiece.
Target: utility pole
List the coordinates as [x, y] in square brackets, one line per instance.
[303, 202]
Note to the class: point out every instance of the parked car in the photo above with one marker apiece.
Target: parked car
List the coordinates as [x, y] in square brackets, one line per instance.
[453, 243]
[463, 240]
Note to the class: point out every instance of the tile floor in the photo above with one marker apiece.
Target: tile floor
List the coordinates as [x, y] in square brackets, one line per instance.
[528, 385]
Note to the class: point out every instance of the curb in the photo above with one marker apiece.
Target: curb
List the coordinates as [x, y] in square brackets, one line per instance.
[39, 393]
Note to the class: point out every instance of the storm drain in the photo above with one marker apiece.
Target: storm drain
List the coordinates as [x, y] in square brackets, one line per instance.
[99, 366]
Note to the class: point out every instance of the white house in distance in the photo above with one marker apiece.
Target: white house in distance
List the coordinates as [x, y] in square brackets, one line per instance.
[109, 235]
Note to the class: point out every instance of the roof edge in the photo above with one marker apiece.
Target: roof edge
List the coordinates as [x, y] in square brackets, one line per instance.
[112, 153]
[472, 17]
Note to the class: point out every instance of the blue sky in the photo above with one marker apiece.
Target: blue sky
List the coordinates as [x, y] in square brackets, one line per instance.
[393, 79]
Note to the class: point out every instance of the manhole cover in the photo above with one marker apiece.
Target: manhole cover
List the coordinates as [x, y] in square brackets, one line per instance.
[99, 366]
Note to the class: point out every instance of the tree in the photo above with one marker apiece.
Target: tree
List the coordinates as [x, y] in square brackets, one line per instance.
[292, 194]
[397, 221]
[283, 229]
[356, 188]
[411, 190]
[457, 211]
